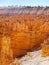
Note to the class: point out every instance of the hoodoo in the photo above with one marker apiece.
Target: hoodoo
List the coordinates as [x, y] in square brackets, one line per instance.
[25, 32]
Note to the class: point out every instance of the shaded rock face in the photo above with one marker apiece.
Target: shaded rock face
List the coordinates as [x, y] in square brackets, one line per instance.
[25, 10]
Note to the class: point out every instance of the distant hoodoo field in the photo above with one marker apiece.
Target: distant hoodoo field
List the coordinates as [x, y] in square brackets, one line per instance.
[21, 32]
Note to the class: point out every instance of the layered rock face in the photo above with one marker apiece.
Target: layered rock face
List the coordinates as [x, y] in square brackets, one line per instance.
[25, 10]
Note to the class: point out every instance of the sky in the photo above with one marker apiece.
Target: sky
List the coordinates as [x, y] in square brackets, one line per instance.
[24, 2]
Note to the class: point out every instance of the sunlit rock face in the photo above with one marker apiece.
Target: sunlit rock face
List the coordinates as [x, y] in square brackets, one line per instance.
[25, 32]
[22, 33]
[45, 48]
